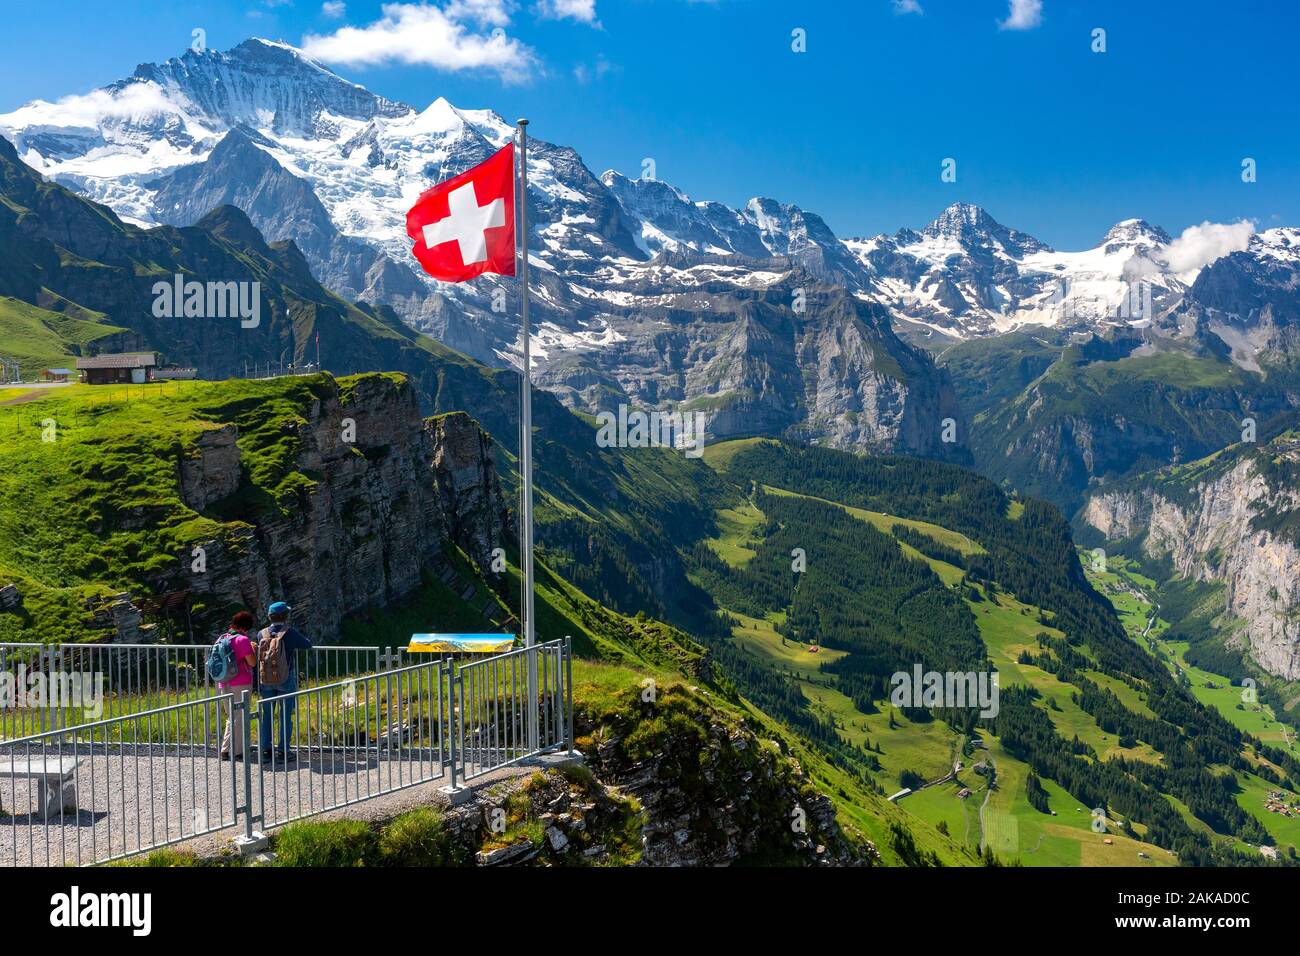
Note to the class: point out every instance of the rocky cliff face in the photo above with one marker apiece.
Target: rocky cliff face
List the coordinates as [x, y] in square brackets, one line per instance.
[712, 792]
[1114, 406]
[797, 357]
[1211, 534]
[385, 492]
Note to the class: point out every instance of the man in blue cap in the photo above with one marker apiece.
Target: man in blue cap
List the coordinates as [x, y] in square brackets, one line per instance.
[277, 673]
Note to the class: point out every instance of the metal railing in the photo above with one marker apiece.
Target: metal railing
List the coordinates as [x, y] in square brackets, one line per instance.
[115, 787]
[133, 678]
[493, 704]
[95, 791]
[327, 747]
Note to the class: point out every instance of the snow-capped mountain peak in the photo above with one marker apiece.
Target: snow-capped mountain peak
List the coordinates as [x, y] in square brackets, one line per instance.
[970, 226]
[959, 219]
[344, 164]
[616, 180]
[263, 83]
[1134, 235]
[967, 274]
[441, 117]
[1280, 243]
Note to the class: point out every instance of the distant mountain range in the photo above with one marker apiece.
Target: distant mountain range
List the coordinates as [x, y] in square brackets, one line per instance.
[1053, 369]
[642, 295]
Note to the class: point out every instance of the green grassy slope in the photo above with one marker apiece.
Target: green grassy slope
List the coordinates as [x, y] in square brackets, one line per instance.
[40, 339]
[1048, 414]
[929, 747]
[1266, 738]
[97, 508]
[1066, 666]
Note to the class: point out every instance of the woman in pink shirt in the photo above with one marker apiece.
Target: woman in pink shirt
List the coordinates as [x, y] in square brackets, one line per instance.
[246, 657]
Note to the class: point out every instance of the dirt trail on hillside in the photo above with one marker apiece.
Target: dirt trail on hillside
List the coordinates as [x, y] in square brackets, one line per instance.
[32, 396]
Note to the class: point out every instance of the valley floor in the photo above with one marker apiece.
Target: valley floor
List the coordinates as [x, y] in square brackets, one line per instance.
[1131, 594]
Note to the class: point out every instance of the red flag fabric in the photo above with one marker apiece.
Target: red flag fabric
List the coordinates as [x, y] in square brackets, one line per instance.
[466, 226]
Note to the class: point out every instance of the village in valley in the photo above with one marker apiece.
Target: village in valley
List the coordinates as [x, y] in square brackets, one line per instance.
[1279, 801]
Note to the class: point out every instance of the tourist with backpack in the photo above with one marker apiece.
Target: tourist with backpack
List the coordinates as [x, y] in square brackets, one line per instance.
[230, 665]
[277, 673]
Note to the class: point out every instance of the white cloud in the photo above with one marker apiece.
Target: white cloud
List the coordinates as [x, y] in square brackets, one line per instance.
[334, 9]
[584, 11]
[1200, 245]
[486, 13]
[907, 6]
[135, 101]
[1023, 15]
[426, 35]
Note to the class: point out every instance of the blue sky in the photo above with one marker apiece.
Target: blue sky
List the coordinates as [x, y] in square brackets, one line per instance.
[1047, 135]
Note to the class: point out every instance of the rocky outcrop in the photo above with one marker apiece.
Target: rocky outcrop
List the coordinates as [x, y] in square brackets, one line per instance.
[1208, 529]
[675, 782]
[381, 493]
[116, 615]
[712, 792]
[210, 471]
[564, 817]
[466, 478]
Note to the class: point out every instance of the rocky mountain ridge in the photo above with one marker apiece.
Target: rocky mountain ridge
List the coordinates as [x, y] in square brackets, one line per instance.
[313, 158]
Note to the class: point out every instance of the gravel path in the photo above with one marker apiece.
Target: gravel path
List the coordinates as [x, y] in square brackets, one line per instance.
[132, 798]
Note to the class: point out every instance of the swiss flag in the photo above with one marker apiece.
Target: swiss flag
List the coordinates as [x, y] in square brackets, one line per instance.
[466, 226]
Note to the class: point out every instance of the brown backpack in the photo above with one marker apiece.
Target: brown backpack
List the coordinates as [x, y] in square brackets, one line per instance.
[272, 658]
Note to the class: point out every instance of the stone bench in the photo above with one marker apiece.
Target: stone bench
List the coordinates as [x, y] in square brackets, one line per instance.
[58, 774]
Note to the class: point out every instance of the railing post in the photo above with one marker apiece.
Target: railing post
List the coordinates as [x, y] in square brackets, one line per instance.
[454, 791]
[568, 693]
[533, 712]
[252, 841]
[245, 745]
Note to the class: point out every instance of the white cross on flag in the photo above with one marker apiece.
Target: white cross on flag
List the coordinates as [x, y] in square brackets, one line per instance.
[466, 226]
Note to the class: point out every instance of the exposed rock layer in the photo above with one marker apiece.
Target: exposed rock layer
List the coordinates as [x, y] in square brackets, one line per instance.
[1208, 536]
[378, 512]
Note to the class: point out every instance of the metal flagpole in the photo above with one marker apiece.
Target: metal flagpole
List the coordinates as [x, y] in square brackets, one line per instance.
[526, 443]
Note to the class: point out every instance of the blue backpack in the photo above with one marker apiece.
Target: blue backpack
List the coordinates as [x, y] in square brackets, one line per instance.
[222, 665]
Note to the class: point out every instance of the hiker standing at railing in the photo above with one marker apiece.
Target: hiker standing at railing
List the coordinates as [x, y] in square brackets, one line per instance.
[277, 673]
[234, 654]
